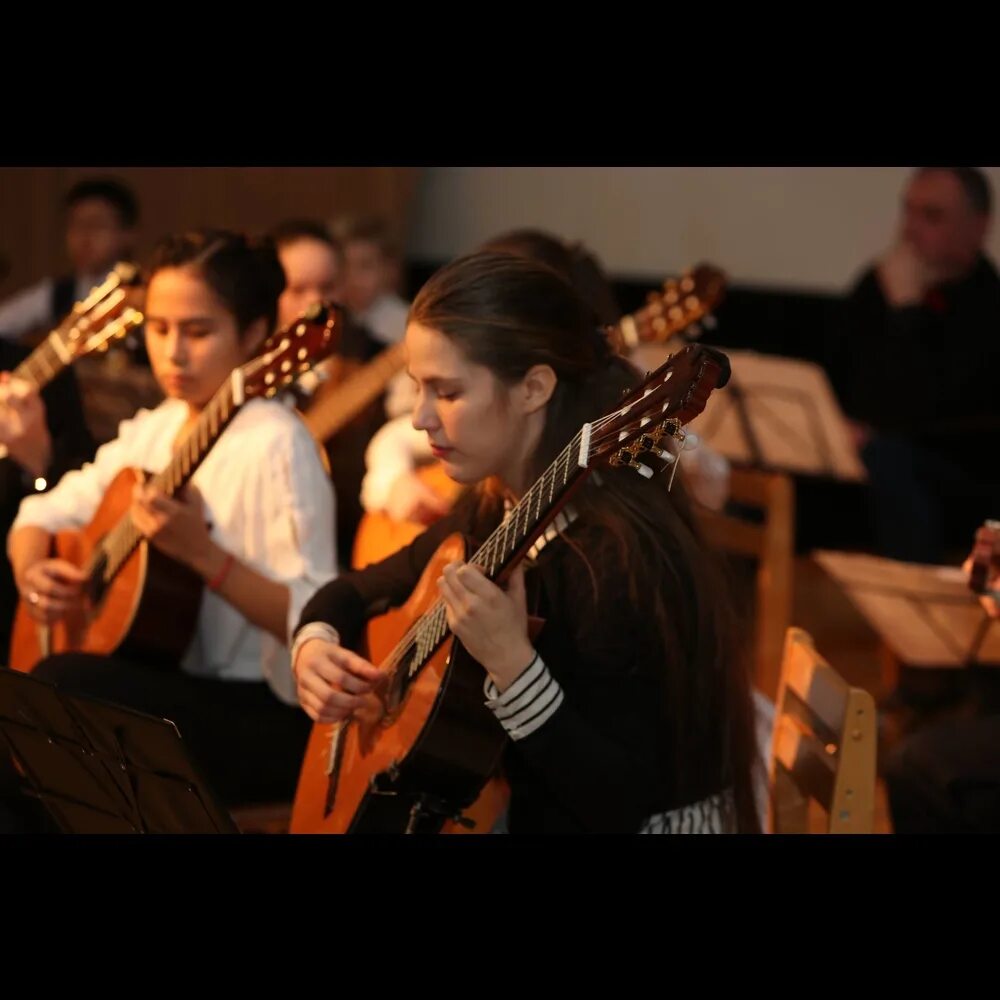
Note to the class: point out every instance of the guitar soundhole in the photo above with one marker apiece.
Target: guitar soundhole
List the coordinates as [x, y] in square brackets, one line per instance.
[401, 679]
[96, 585]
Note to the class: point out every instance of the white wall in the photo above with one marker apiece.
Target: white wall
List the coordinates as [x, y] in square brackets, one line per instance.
[808, 228]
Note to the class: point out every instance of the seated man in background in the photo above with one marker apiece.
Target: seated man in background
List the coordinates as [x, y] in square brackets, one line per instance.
[914, 360]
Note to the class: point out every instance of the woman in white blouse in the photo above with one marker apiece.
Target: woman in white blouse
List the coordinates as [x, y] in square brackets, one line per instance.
[254, 525]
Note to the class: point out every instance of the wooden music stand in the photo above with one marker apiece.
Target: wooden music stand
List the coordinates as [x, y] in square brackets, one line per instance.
[780, 415]
[926, 616]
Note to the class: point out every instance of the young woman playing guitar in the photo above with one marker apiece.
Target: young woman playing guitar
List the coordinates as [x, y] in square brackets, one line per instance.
[628, 709]
[253, 526]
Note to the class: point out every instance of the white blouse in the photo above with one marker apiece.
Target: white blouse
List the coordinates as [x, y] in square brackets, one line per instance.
[269, 501]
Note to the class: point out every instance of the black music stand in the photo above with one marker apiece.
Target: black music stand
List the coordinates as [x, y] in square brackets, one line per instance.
[102, 768]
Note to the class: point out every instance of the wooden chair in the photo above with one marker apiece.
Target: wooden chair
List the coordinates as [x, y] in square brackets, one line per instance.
[824, 745]
[772, 545]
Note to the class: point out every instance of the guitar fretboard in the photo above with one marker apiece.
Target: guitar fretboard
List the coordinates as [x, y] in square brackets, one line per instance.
[122, 540]
[526, 520]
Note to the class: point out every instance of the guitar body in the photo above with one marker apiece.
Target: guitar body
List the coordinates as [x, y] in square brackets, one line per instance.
[423, 763]
[149, 611]
[379, 536]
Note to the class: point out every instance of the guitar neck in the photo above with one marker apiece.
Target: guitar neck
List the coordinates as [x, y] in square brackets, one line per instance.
[122, 540]
[44, 363]
[330, 415]
[512, 539]
[63, 344]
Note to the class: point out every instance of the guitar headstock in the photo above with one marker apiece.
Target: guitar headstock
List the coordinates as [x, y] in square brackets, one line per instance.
[293, 351]
[679, 306]
[657, 410]
[104, 316]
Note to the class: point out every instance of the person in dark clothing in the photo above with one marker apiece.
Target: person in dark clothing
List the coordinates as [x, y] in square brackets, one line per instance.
[630, 711]
[946, 777]
[42, 435]
[102, 216]
[914, 362]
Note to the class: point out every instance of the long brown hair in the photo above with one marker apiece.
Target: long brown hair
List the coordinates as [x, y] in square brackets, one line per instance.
[508, 314]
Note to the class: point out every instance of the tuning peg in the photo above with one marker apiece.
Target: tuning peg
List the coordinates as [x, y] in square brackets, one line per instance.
[652, 445]
[644, 470]
[128, 274]
[626, 458]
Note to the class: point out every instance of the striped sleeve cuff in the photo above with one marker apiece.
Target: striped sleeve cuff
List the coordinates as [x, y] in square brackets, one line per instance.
[314, 630]
[528, 703]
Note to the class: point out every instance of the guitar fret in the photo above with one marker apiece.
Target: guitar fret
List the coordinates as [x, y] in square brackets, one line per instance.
[58, 349]
[26, 371]
[50, 372]
[30, 371]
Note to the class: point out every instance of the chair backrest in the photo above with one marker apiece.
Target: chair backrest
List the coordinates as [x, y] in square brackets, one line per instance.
[823, 747]
[772, 545]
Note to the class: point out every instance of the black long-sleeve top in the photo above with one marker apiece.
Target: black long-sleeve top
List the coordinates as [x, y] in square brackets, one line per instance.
[597, 764]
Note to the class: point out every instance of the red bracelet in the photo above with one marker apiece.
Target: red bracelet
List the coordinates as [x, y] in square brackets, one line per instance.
[220, 577]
